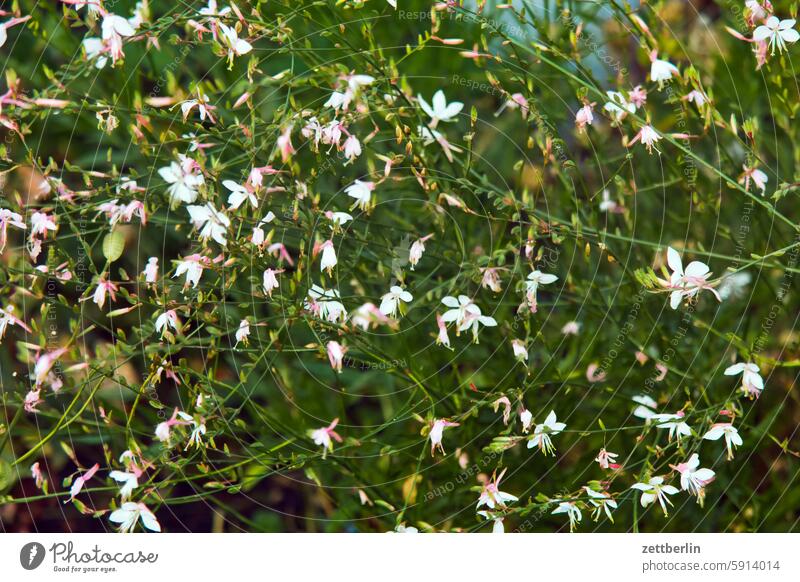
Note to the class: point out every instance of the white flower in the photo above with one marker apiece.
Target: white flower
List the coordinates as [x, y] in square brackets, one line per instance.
[779, 32]
[235, 45]
[325, 304]
[113, 29]
[270, 281]
[542, 432]
[693, 479]
[192, 266]
[7, 318]
[328, 256]
[338, 100]
[362, 192]
[8, 217]
[202, 107]
[572, 511]
[732, 438]
[601, 501]
[473, 320]
[459, 308]
[646, 407]
[525, 417]
[437, 432]
[520, 350]
[654, 490]
[183, 178]
[94, 48]
[675, 424]
[441, 110]
[151, 270]
[661, 71]
[129, 482]
[211, 222]
[166, 320]
[239, 194]
[211, 10]
[243, 332]
[734, 285]
[535, 279]
[391, 300]
[607, 204]
[338, 218]
[752, 382]
[130, 513]
[687, 284]
[617, 106]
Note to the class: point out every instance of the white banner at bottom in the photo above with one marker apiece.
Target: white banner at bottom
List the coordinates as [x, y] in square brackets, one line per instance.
[378, 557]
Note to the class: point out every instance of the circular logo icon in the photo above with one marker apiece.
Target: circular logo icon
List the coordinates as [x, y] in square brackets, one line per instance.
[31, 555]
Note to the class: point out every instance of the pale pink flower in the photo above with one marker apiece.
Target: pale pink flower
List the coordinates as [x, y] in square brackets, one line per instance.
[442, 338]
[758, 177]
[78, 483]
[32, 400]
[606, 459]
[648, 136]
[36, 473]
[594, 373]
[44, 364]
[416, 250]
[151, 270]
[284, 143]
[352, 148]
[571, 328]
[584, 117]
[336, 352]
[506, 407]
[325, 436]
[492, 497]
[104, 287]
[490, 279]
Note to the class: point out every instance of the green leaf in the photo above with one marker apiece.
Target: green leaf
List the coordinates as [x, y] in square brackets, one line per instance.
[113, 245]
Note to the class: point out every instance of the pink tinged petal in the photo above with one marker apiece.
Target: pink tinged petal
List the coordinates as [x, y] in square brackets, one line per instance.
[696, 269]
